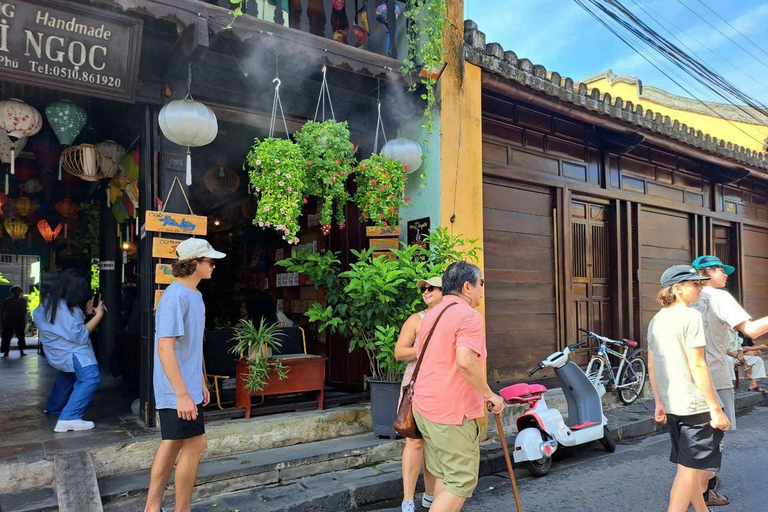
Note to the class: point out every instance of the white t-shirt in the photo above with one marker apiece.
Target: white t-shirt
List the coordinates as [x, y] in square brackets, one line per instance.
[719, 310]
[671, 332]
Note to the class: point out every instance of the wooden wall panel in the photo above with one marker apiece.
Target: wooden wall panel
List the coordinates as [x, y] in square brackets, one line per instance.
[521, 320]
[756, 271]
[665, 240]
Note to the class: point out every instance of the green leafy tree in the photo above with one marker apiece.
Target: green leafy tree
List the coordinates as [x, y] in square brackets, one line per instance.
[369, 303]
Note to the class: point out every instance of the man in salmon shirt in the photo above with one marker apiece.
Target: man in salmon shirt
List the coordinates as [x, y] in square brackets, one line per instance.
[450, 391]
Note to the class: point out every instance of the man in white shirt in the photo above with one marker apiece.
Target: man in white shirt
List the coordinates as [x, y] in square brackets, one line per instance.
[720, 311]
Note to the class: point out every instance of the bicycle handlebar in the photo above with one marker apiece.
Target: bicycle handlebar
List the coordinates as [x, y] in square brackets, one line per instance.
[602, 338]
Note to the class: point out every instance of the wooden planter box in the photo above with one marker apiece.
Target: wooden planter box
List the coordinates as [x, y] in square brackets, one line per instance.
[305, 373]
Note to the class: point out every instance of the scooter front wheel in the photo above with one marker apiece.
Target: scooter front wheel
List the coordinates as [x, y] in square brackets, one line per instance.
[539, 467]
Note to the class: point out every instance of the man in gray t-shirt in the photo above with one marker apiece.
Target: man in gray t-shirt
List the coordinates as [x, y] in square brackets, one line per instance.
[179, 382]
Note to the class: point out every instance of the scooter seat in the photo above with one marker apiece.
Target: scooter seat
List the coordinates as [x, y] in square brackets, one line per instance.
[515, 392]
[584, 425]
[537, 389]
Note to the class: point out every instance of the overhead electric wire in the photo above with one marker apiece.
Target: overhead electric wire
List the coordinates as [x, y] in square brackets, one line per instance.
[664, 51]
[734, 28]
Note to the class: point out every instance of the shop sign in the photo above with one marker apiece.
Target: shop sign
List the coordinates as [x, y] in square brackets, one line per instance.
[70, 47]
[182, 223]
[384, 243]
[158, 294]
[106, 265]
[383, 231]
[417, 231]
[165, 248]
[164, 274]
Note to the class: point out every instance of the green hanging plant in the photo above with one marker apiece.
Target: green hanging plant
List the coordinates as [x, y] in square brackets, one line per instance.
[330, 157]
[33, 299]
[380, 189]
[425, 50]
[277, 177]
[95, 275]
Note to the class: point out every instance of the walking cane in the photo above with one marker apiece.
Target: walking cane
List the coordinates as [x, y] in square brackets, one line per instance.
[510, 469]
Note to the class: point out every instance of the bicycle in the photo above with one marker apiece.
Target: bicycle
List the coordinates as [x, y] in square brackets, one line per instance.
[628, 378]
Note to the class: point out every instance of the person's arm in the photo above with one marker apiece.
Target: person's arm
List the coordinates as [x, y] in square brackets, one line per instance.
[660, 414]
[466, 361]
[185, 406]
[98, 314]
[754, 328]
[206, 391]
[697, 363]
[404, 349]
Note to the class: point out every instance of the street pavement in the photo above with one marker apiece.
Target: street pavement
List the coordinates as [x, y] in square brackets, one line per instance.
[636, 478]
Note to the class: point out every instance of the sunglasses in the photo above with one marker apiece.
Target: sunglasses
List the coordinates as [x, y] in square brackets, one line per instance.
[209, 261]
[429, 289]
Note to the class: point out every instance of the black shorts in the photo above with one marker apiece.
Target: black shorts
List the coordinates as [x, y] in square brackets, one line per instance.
[695, 443]
[174, 428]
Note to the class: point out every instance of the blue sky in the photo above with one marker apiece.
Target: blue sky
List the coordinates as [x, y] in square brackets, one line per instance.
[562, 37]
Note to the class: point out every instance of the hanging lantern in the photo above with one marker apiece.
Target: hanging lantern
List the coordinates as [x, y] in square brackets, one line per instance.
[18, 120]
[406, 151]
[4, 201]
[17, 228]
[132, 191]
[116, 151]
[23, 207]
[68, 211]
[130, 167]
[382, 12]
[116, 187]
[8, 151]
[48, 234]
[32, 186]
[26, 170]
[360, 33]
[221, 179]
[47, 150]
[188, 123]
[87, 162]
[66, 119]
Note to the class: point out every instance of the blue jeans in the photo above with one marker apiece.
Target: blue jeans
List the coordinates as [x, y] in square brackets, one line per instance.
[73, 392]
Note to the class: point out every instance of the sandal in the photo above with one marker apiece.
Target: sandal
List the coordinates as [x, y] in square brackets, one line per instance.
[714, 483]
[716, 500]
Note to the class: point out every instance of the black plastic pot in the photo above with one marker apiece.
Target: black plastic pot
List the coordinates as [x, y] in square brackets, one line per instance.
[384, 396]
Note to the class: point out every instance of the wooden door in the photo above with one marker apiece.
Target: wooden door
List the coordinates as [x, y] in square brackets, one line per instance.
[520, 298]
[726, 249]
[591, 269]
[755, 271]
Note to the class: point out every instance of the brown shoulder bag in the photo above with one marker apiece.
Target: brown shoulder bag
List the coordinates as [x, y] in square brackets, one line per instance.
[405, 423]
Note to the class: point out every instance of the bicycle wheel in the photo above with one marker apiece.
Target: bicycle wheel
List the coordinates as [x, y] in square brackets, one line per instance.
[632, 380]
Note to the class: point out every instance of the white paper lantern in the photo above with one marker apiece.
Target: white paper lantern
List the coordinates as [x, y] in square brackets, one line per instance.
[116, 151]
[19, 121]
[188, 123]
[8, 151]
[406, 151]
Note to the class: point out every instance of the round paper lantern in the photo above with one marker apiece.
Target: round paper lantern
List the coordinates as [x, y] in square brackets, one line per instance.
[68, 211]
[406, 151]
[17, 228]
[66, 119]
[188, 123]
[8, 146]
[130, 167]
[32, 186]
[48, 234]
[382, 12]
[116, 151]
[18, 120]
[24, 207]
[221, 179]
[87, 162]
[47, 150]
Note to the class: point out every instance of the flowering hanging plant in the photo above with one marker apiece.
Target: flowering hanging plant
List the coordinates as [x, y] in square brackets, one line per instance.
[380, 189]
[277, 178]
[330, 157]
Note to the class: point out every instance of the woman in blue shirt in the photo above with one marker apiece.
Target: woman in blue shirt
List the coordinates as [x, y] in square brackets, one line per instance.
[65, 335]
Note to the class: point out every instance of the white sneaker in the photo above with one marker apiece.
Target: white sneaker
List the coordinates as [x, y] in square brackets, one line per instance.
[426, 500]
[408, 506]
[67, 425]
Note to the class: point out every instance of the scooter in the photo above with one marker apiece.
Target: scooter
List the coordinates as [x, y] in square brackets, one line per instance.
[542, 430]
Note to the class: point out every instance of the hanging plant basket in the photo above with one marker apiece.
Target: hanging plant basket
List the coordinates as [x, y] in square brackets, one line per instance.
[277, 178]
[330, 157]
[380, 189]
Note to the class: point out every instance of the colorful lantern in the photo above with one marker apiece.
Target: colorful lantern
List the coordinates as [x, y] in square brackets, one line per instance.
[23, 207]
[66, 119]
[32, 186]
[382, 12]
[48, 234]
[47, 150]
[221, 179]
[116, 187]
[360, 33]
[116, 151]
[8, 148]
[87, 162]
[68, 211]
[406, 151]
[17, 228]
[188, 123]
[18, 120]
[130, 166]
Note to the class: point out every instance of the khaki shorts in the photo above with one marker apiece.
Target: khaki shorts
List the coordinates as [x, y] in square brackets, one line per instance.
[728, 397]
[452, 453]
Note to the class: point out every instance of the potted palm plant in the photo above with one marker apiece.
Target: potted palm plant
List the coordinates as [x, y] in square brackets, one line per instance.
[254, 347]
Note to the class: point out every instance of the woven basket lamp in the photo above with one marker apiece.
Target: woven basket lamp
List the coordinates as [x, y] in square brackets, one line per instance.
[17, 228]
[87, 162]
[221, 179]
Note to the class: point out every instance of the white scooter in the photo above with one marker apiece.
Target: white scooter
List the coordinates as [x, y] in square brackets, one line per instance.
[541, 429]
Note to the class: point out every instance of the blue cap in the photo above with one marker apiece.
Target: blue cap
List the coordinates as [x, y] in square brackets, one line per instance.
[712, 261]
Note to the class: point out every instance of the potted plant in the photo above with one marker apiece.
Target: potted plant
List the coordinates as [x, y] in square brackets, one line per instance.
[277, 180]
[330, 156]
[380, 189]
[254, 347]
[369, 303]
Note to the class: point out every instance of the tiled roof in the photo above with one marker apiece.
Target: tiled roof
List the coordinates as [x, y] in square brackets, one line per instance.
[494, 59]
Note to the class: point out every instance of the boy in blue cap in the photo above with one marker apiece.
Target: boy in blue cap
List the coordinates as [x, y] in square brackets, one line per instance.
[720, 311]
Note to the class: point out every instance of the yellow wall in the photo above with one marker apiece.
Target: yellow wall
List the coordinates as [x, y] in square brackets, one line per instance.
[461, 192]
[751, 136]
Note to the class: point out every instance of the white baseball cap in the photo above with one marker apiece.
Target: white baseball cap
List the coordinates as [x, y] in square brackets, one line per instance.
[194, 248]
